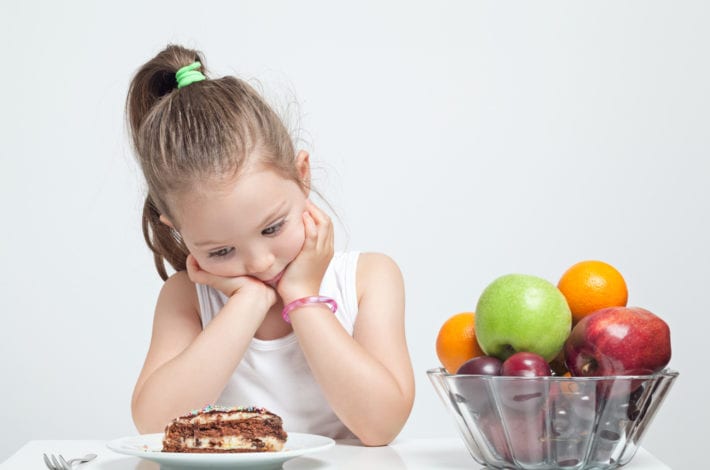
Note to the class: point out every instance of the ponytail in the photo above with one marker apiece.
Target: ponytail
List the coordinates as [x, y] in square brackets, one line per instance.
[154, 82]
[164, 241]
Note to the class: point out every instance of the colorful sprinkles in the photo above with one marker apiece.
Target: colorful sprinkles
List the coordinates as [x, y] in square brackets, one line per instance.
[226, 409]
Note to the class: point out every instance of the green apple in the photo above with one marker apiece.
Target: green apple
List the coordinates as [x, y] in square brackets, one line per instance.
[519, 312]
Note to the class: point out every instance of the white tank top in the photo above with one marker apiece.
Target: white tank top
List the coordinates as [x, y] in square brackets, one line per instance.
[274, 374]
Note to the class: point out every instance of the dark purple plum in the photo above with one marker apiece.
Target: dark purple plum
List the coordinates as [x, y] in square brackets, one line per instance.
[521, 391]
[526, 364]
[472, 394]
[481, 365]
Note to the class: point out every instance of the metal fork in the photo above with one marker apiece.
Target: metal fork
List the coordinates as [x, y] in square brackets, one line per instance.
[57, 462]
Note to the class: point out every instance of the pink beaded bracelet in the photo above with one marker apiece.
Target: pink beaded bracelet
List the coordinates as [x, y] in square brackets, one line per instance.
[316, 299]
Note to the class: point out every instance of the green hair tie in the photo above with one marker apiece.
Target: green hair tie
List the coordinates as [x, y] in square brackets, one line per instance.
[188, 74]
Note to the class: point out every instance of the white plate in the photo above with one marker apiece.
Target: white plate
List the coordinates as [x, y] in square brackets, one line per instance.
[148, 446]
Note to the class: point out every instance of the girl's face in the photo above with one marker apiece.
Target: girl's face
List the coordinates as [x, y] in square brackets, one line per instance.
[251, 226]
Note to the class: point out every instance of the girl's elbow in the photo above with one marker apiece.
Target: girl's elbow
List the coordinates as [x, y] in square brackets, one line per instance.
[143, 423]
[377, 436]
[139, 422]
[376, 440]
[145, 427]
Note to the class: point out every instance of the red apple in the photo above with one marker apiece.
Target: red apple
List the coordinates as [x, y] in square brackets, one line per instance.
[618, 341]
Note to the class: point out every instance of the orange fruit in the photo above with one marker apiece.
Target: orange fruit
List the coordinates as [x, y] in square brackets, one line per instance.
[456, 342]
[591, 285]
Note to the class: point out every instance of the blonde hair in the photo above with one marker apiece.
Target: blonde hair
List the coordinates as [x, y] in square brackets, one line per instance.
[183, 137]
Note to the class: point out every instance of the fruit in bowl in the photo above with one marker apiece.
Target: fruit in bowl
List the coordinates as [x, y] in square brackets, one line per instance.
[475, 391]
[456, 342]
[526, 364]
[536, 393]
[481, 365]
[618, 341]
[523, 395]
[592, 285]
[520, 312]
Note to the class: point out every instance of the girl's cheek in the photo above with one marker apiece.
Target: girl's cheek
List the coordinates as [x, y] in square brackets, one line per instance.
[293, 241]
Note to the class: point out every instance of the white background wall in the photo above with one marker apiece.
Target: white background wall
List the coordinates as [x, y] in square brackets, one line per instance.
[465, 139]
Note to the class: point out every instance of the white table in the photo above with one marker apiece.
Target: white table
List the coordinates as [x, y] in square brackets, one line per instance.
[424, 454]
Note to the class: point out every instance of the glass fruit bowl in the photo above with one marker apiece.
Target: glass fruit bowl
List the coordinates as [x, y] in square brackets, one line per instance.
[542, 423]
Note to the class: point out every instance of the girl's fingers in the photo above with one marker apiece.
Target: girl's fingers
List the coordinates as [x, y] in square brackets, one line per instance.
[310, 228]
[196, 273]
[324, 233]
[330, 235]
[318, 215]
[322, 223]
[192, 267]
[227, 285]
[321, 218]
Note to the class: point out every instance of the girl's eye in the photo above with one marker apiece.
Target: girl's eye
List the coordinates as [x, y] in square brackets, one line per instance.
[222, 252]
[274, 229]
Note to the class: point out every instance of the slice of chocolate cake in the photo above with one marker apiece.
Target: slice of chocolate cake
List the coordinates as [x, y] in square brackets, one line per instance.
[219, 429]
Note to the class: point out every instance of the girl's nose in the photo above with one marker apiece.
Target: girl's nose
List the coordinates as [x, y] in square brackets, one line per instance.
[259, 263]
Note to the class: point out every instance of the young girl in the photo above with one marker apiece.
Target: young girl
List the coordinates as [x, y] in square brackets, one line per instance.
[260, 311]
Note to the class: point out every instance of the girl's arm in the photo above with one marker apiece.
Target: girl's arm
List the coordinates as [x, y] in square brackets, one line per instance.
[180, 372]
[367, 378]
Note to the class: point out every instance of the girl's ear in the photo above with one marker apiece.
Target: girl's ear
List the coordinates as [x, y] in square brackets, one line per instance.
[303, 165]
[166, 221]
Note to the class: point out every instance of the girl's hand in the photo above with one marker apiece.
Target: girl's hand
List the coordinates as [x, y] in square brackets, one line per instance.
[231, 286]
[304, 275]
